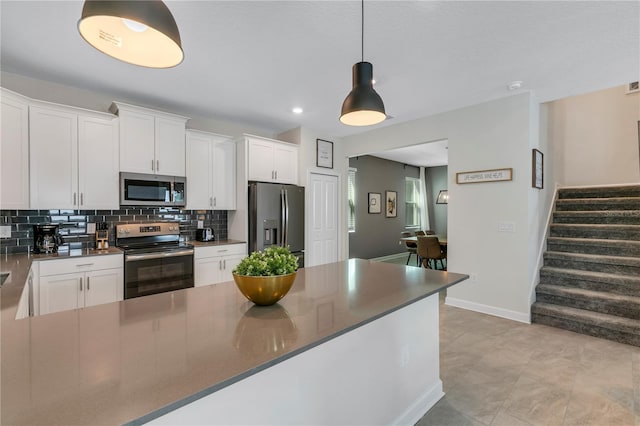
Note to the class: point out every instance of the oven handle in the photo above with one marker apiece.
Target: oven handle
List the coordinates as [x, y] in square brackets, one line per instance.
[134, 257]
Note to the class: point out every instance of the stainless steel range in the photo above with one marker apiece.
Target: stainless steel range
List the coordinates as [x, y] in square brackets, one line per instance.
[155, 259]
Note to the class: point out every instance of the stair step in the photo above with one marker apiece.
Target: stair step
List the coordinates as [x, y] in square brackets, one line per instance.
[623, 330]
[593, 262]
[596, 301]
[628, 217]
[586, 204]
[600, 192]
[608, 232]
[597, 281]
[594, 246]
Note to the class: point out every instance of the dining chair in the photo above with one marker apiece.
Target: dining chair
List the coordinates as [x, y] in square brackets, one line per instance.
[430, 252]
[418, 233]
[412, 247]
[430, 232]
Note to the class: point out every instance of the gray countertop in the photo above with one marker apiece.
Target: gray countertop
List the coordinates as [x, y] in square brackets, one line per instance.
[137, 359]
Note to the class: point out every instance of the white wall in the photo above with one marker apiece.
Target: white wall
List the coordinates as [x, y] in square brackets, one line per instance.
[496, 134]
[100, 101]
[595, 137]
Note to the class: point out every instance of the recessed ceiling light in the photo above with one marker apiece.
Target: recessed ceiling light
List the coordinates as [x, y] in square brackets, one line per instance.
[514, 85]
[297, 110]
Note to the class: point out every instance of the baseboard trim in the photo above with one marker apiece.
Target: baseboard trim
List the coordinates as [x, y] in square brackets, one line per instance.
[390, 257]
[489, 310]
[419, 408]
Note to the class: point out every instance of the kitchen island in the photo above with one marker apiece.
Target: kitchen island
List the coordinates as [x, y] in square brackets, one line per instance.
[352, 342]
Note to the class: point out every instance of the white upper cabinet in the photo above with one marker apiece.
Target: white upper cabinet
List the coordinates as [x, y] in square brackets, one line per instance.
[14, 151]
[73, 158]
[150, 141]
[272, 161]
[211, 171]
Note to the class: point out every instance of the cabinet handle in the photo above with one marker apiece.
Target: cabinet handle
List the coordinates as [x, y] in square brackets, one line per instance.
[80, 284]
[220, 264]
[74, 198]
[276, 175]
[214, 201]
[82, 198]
[272, 175]
[153, 166]
[224, 262]
[157, 165]
[83, 264]
[210, 201]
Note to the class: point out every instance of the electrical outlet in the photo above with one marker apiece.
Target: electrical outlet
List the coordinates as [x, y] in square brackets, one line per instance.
[5, 231]
[473, 278]
[200, 224]
[91, 228]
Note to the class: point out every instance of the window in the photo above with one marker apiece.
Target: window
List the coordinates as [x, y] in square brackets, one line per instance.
[412, 202]
[351, 195]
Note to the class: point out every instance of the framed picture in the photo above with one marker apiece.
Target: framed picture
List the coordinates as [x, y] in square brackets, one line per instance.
[374, 202]
[537, 169]
[391, 203]
[324, 154]
[494, 175]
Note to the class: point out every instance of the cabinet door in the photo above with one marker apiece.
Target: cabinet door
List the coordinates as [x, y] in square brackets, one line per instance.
[224, 175]
[98, 149]
[286, 163]
[53, 158]
[229, 263]
[207, 271]
[103, 286]
[170, 152]
[137, 142]
[198, 172]
[261, 160]
[14, 153]
[61, 292]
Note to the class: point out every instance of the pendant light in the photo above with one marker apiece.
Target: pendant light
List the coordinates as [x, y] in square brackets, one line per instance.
[140, 32]
[363, 106]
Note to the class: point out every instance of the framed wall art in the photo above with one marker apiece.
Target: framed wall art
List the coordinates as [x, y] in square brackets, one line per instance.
[391, 203]
[537, 169]
[375, 202]
[324, 154]
[494, 175]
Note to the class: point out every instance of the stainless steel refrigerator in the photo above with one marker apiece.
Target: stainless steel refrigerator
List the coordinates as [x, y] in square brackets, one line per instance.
[276, 217]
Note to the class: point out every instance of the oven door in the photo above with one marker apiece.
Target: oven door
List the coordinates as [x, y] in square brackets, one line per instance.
[157, 272]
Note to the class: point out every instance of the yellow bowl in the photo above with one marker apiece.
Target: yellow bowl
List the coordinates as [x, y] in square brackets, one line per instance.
[264, 291]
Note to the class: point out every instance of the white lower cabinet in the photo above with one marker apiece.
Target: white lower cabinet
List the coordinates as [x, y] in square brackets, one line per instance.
[214, 265]
[98, 280]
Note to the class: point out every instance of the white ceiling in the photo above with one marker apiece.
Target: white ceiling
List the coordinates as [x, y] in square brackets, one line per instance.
[253, 61]
[430, 154]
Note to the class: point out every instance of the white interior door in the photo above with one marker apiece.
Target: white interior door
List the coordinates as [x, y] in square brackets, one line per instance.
[323, 220]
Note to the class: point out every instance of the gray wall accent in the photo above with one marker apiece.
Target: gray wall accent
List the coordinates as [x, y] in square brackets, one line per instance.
[377, 235]
[437, 179]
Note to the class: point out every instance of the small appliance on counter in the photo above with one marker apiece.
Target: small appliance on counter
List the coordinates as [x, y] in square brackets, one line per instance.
[46, 238]
[204, 234]
[102, 236]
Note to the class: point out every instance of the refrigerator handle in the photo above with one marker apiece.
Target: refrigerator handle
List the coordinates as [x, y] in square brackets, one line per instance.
[286, 214]
[283, 217]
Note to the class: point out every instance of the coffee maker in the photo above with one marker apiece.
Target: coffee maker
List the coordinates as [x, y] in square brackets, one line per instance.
[46, 238]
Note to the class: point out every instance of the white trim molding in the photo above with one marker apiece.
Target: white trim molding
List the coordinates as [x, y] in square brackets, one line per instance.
[524, 317]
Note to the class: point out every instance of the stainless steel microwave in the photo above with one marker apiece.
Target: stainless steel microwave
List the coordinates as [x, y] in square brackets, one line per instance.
[138, 189]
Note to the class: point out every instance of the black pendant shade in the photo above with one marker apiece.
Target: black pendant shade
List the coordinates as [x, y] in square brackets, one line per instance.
[363, 106]
[140, 32]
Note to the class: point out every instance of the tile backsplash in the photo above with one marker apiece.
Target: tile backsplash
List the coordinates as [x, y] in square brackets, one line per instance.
[73, 224]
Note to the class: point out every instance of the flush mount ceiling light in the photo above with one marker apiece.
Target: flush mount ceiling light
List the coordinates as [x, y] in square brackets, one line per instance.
[140, 32]
[363, 106]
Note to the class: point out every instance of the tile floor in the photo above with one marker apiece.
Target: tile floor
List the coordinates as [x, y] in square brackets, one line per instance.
[505, 373]
[501, 372]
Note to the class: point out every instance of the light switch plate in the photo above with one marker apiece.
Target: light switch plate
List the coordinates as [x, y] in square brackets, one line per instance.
[200, 224]
[506, 227]
[91, 228]
[5, 231]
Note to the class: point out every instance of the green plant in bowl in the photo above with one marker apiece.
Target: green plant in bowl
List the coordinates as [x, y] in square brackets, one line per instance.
[264, 277]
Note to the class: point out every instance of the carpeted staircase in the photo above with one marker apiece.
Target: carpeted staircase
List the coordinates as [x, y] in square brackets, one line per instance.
[590, 281]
